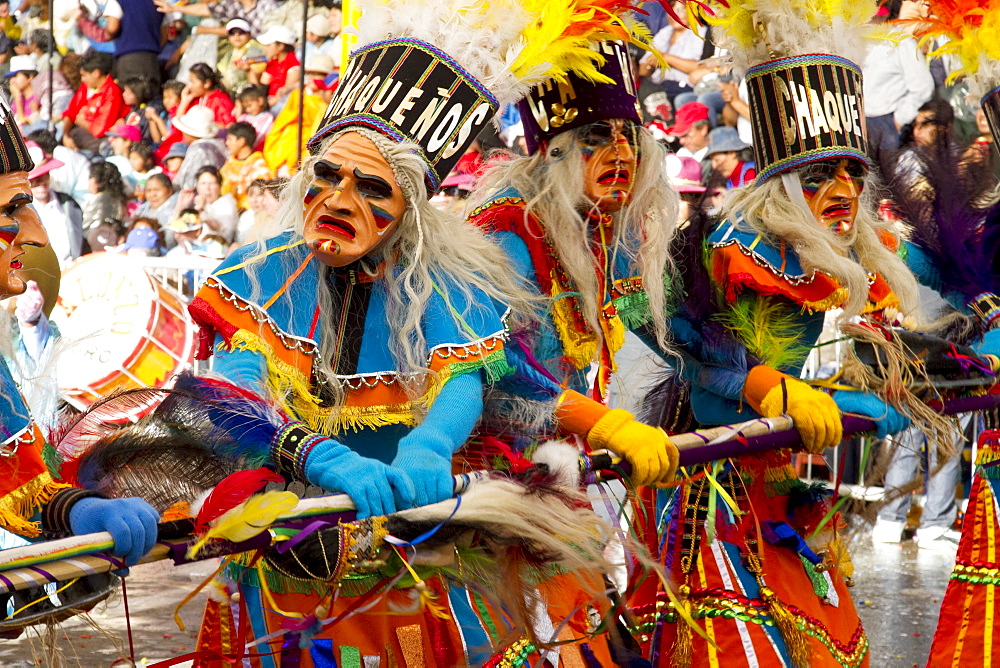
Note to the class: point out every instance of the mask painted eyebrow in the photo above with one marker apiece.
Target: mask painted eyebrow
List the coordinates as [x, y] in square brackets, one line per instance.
[361, 176]
[20, 198]
[325, 168]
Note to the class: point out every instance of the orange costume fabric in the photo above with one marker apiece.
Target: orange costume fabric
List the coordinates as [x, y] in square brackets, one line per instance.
[757, 567]
[25, 482]
[966, 632]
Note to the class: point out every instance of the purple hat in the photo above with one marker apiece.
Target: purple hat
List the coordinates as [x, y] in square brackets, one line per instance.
[554, 107]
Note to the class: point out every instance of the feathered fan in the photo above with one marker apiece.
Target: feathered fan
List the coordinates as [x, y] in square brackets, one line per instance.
[954, 220]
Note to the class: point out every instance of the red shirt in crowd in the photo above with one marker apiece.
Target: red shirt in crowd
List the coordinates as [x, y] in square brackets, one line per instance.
[744, 173]
[101, 110]
[278, 69]
[221, 106]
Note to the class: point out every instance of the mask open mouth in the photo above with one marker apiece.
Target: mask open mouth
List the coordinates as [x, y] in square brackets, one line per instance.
[837, 209]
[614, 177]
[16, 264]
[337, 226]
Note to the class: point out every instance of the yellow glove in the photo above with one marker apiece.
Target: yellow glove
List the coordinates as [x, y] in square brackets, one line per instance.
[652, 456]
[815, 413]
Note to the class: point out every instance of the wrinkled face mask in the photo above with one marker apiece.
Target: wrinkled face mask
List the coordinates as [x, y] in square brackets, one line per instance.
[832, 190]
[19, 227]
[611, 155]
[353, 204]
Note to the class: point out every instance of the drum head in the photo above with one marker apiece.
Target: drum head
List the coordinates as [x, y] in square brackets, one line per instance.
[78, 597]
[123, 330]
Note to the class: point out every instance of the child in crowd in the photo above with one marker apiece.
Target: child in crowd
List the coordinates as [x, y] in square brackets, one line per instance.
[282, 74]
[245, 55]
[263, 200]
[190, 234]
[23, 100]
[164, 133]
[174, 159]
[146, 112]
[172, 91]
[245, 165]
[143, 166]
[252, 104]
[143, 238]
[122, 138]
[97, 105]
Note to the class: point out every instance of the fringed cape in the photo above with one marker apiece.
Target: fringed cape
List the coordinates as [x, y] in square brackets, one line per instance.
[25, 482]
[269, 308]
[625, 305]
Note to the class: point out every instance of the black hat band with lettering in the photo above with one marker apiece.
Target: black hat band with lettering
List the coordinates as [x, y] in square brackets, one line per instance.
[13, 153]
[805, 109]
[411, 91]
[556, 106]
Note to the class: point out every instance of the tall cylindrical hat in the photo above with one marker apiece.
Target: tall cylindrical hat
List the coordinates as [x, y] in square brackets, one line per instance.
[411, 91]
[555, 106]
[805, 109]
[803, 81]
[433, 74]
[13, 153]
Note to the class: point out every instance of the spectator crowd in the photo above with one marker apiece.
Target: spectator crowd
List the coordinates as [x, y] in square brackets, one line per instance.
[170, 128]
[160, 128]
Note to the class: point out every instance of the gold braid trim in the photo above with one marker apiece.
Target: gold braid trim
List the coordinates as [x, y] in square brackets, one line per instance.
[836, 299]
[23, 502]
[288, 384]
[292, 388]
[579, 347]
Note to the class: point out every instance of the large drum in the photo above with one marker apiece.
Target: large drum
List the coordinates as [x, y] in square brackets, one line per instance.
[123, 329]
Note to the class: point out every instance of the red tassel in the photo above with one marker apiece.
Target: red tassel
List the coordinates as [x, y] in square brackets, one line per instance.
[231, 491]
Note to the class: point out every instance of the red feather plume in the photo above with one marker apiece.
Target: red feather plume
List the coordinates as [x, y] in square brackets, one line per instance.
[231, 491]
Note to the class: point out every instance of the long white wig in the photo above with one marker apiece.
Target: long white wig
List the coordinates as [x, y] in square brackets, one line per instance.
[770, 209]
[428, 249]
[551, 182]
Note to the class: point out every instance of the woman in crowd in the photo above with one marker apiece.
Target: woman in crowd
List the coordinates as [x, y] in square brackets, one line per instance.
[217, 211]
[160, 202]
[109, 200]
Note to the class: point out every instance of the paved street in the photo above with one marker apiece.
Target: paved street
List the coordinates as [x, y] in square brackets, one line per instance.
[898, 591]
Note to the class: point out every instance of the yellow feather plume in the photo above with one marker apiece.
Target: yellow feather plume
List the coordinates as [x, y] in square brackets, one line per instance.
[248, 519]
[560, 40]
[971, 32]
[758, 30]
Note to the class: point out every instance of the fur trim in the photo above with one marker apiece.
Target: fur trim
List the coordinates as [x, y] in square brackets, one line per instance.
[563, 460]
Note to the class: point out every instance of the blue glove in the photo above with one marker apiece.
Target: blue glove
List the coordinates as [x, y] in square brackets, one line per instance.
[131, 523]
[375, 487]
[990, 344]
[887, 419]
[425, 455]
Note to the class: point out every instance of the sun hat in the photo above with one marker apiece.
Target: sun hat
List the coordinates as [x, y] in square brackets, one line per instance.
[178, 150]
[684, 174]
[198, 122]
[281, 34]
[129, 132]
[21, 64]
[238, 24]
[686, 117]
[318, 24]
[724, 139]
[43, 165]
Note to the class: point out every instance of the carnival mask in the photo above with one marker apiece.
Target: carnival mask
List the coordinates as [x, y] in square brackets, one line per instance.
[832, 189]
[353, 203]
[19, 227]
[610, 155]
